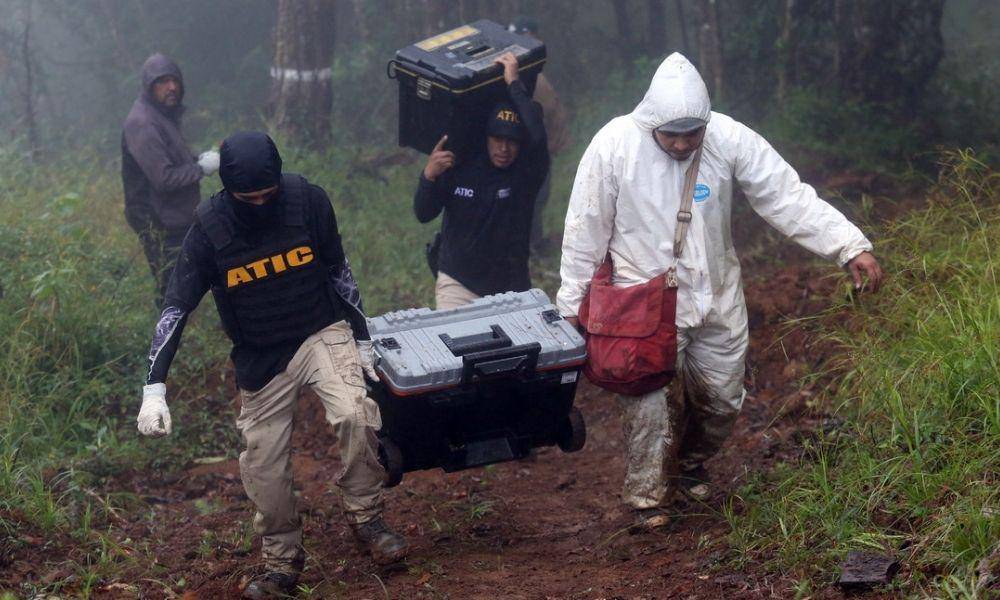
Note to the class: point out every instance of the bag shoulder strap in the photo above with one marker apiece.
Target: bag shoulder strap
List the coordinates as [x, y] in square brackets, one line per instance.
[687, 197]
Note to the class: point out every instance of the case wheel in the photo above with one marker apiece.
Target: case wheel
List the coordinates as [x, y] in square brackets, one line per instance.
[573, 434]
[391, 459]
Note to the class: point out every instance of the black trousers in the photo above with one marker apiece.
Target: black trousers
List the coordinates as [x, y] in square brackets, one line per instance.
[161, 246]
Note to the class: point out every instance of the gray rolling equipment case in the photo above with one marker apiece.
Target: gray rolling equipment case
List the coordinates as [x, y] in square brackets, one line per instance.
[449, 83]
[475, 385]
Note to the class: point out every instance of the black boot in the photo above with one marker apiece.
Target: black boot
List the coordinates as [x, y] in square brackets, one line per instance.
[276, 584]
[645, 520]
[385, 545]
[695, 483]
[273, 584]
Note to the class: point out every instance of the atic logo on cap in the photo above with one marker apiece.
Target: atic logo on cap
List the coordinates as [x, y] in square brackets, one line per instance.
[507, 115]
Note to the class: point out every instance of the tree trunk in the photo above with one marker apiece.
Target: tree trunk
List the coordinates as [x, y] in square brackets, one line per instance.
[682, 22]
[846, 21]
[435, 16]
[624, 44]
[468, 10]
[125, 59]
[710, 48]
[29, 84]
[786, 73]
[300, 78]
[364, 32]
[887, 51]
[656, 43]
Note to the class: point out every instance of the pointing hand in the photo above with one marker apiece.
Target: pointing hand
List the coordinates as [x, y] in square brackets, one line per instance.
[439, 161]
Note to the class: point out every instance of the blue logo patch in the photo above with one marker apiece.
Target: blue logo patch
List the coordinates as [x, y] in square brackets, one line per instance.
[701, 192]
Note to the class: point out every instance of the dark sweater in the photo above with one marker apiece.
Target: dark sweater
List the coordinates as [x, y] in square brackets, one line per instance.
[159, 173]
[487, 211]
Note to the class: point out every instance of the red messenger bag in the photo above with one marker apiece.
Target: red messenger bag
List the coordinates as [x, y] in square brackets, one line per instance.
[631, 331]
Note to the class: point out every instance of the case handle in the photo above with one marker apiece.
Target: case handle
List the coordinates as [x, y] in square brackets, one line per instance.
[477, 342]
[521, 359]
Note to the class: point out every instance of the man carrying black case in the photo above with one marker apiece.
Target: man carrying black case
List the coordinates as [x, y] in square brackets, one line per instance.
[487, 200]
[268, 248]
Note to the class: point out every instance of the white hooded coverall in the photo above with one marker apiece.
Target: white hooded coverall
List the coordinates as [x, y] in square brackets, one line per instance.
[625, 200]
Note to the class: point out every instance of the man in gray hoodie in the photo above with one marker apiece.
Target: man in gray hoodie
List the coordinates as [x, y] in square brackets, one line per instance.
[159, 174]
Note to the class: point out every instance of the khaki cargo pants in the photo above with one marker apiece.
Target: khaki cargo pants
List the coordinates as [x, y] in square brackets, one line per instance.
[328, 362]
[450, 293]
[678, 428]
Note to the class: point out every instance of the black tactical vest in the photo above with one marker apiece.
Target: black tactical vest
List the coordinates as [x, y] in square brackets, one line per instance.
[272, 289]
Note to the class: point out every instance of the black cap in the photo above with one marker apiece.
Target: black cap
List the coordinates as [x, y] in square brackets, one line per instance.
[523, 25]
[248, 162]
[682, 125]
[505, 122]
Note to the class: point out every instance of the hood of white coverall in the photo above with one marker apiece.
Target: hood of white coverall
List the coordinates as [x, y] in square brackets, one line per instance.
[677, 91]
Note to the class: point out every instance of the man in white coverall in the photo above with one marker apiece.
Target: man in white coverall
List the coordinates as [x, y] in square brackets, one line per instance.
[625, 201]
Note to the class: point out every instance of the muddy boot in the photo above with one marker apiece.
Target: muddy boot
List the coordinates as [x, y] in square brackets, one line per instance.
[648, 519]
[276, 583]
[385, 545]
[273, 584]
[695, 483]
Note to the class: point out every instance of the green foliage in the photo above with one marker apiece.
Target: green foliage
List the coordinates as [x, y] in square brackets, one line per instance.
[964, 105]
[75, 319]
[845, 134]
[916, 474]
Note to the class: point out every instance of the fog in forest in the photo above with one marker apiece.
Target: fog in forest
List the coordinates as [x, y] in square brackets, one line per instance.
[69, 68]
[843, 437]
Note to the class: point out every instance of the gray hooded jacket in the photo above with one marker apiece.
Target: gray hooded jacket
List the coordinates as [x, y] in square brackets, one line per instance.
[159, 173]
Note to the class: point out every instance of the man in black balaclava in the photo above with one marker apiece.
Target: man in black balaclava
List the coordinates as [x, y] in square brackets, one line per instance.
[268, 248]
[159, 174]
[487, 201]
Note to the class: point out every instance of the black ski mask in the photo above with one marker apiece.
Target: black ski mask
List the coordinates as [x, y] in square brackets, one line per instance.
[249, 162]
[256, 216]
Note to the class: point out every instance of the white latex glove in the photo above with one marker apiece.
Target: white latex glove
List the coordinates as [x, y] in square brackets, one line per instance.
[366, 350]
[209, 162]
[154, 416]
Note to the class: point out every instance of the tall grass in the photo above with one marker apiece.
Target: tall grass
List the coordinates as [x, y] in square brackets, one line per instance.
[917, 473]
[75, 319]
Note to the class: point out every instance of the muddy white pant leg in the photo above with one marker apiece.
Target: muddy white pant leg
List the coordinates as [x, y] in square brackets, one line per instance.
[355, 417]
[265, 422]
[651, 445]
[713, 364]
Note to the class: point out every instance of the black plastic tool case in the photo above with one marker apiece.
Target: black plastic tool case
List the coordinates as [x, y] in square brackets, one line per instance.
[478, 384]
[449, 83]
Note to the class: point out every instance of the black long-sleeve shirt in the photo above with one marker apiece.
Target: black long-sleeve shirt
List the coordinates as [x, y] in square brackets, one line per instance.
[487, 211]
[196, 271]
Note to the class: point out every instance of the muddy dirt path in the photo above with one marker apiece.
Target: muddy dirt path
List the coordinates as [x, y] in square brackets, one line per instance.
[551, 527]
